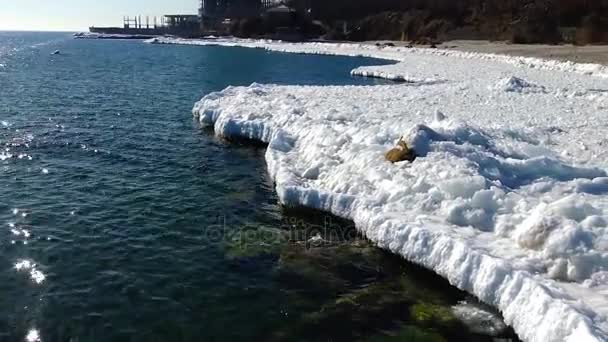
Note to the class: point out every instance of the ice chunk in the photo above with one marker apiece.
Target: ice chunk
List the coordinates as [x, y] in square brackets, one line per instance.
[518, 85]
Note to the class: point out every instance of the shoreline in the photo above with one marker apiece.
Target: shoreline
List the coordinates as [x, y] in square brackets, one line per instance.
[585, 54]
[582, 54]
[396, 54]
[444, 253]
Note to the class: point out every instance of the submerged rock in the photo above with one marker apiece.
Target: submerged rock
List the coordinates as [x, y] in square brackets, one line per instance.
[479, 319]
[408, 333]
[338, 286]
[330, 269]
[432, 314]
[361, 291]
[254, 242]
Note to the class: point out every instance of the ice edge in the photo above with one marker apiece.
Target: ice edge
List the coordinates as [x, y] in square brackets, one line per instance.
[395, 54]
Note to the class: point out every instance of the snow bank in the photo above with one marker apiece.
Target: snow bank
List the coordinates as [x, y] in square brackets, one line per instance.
[507, 200]
[389, 53]
[94, 35]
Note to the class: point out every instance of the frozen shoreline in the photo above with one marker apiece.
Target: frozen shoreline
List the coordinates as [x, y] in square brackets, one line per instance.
[508, 200]
[595, 54]
[397, 54]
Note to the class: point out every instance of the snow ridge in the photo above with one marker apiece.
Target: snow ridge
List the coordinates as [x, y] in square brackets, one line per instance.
[507, 199]
[389, 53]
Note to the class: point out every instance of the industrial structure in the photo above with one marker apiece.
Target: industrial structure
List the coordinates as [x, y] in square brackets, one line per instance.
[175, 24]
[215, 12]
[214, 17]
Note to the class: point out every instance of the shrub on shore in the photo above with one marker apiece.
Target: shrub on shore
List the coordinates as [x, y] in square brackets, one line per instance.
[521, 21]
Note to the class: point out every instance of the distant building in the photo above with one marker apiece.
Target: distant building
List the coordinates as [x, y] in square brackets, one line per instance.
[280, 16]
[182, 24]
[181, 21]
[186, 25]
[215, 12]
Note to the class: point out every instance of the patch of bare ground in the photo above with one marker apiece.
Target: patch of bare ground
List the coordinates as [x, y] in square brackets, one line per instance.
[580, 54]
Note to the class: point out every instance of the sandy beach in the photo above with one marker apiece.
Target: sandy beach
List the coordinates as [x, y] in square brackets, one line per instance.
[567, 52]
[579, 54]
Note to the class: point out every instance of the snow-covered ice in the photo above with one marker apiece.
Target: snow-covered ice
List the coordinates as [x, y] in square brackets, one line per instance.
[508, 199]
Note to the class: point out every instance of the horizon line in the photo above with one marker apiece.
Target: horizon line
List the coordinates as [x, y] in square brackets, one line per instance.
[43, 30]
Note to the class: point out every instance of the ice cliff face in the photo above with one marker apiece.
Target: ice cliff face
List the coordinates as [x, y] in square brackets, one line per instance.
[508, 198]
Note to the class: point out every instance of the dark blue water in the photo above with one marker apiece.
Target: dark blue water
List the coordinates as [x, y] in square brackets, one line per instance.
[122, 220]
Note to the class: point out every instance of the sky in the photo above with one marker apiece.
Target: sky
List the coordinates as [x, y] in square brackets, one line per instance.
[78, 15]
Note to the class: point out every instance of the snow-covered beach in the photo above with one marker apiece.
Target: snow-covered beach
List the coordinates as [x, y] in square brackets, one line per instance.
[508, 199]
